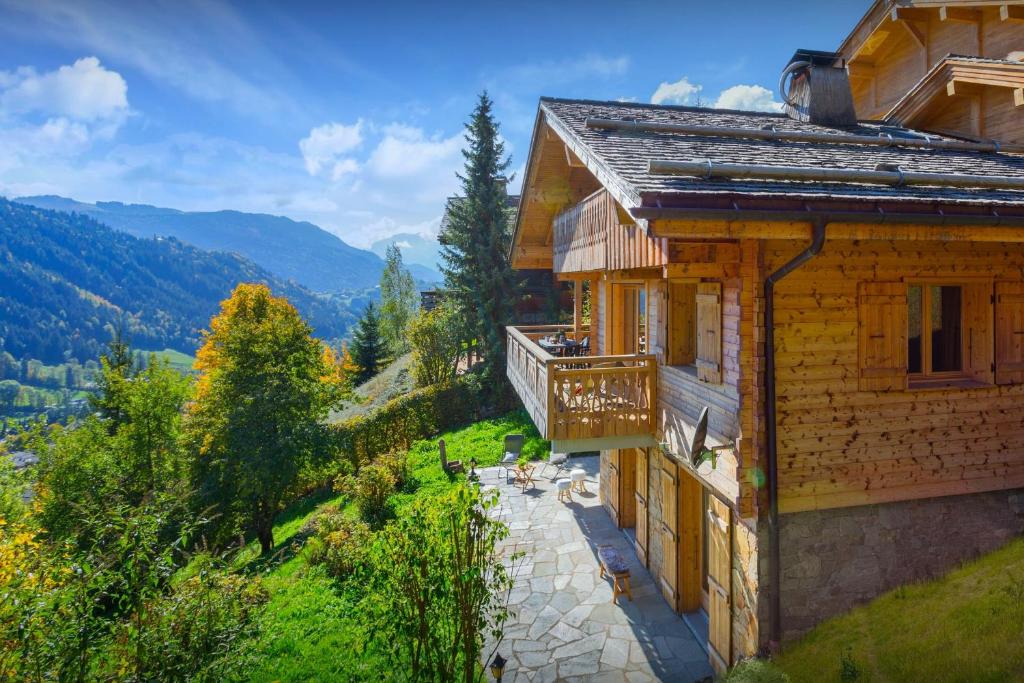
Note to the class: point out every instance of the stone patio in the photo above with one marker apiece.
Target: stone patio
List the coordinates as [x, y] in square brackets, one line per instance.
[564, 626]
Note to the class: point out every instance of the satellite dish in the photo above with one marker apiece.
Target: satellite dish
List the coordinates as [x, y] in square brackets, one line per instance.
[700, 435]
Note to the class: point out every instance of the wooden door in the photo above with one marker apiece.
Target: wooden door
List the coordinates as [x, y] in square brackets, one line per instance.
[719, 583]
[692, 510]
[627, 488]
[669, 532]
[624, 322]
[640, 494]
[614, 484]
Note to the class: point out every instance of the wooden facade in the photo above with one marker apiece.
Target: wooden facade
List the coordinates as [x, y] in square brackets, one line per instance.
[898, 347]
[904, 66]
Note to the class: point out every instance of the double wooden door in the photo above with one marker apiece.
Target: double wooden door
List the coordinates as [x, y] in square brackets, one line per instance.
[696, 545]
[627, 489]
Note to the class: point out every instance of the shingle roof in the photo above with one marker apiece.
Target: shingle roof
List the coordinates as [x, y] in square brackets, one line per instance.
[622, 156]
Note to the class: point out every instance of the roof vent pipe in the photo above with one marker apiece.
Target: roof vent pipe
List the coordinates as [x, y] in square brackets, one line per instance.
[816, 89]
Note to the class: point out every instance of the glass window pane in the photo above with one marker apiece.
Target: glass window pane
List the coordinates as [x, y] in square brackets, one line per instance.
[914, 318]
[946, 334]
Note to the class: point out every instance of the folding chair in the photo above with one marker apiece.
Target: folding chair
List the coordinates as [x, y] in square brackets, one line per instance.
[513, 449]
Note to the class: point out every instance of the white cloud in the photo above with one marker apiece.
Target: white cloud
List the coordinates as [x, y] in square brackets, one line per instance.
[84, 91]
[405, 151]
[403, 244]
[680, 92]
[326, 145]
[748, 98]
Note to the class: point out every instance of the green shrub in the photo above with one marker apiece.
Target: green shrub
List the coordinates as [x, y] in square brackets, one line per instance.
[194, 632]
[339, 543]
[370, 488]
[755, 671]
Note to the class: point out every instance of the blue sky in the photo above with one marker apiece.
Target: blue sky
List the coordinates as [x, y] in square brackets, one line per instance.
[349, 115]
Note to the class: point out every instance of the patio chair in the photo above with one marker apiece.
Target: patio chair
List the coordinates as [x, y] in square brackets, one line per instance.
[558, 460]
[513, 449]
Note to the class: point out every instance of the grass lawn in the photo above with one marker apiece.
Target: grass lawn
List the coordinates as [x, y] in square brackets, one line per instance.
[309, 634]
[966, 626]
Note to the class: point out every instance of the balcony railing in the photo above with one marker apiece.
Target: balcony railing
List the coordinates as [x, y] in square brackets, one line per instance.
[583, 398]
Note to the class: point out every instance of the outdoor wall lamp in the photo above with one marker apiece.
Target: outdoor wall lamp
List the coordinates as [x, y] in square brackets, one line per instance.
[498, 666]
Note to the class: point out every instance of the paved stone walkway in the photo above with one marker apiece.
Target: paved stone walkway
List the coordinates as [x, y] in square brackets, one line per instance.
[564, 625]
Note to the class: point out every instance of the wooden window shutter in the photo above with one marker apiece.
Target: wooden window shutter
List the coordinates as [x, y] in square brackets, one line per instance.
[978, 331]
[1009, 324]
[882, 335]
[709, 332]
[682, 343]
[669, 532]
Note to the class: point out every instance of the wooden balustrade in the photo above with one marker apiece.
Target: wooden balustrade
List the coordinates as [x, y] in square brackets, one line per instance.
[581, 397]
[591, 236]
[581, 234]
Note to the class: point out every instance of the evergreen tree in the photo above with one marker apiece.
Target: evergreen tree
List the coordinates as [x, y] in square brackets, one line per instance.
[397, 301]
[478, 276]
[116, 368]
[368, 348]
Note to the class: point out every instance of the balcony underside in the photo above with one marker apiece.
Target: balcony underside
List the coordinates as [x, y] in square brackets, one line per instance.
[583, 403]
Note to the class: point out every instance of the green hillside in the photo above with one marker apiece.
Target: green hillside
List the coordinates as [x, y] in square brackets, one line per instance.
[291, 250]
[67, 281]
[966, 627]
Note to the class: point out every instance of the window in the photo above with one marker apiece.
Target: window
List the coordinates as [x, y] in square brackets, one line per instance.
[935, 322]
[922, 335]
[694, 328]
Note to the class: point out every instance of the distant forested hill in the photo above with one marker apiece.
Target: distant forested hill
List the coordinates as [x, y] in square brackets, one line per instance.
[66, 280]
[289, 249]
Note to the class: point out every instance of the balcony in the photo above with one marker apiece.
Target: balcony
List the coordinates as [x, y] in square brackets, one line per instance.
[583, 403]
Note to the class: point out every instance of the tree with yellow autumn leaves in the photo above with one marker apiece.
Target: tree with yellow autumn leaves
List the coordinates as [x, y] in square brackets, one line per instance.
[265, 389]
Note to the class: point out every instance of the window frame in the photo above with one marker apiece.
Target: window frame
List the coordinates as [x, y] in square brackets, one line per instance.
[927, 377]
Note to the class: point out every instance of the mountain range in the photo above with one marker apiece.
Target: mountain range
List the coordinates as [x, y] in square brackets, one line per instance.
[67, 280]
[417, 249]
[291, 250]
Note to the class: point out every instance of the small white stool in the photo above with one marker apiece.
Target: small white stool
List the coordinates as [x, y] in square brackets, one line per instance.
[579, 479]
[564, 489]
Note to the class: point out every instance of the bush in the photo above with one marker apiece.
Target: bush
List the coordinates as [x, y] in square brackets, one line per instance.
[339, 543]
[192, 633]
[369, 489]
[112, 612]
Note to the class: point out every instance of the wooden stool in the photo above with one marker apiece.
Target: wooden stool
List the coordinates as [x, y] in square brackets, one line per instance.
[613, 565]
[579, 480]
[564, 490]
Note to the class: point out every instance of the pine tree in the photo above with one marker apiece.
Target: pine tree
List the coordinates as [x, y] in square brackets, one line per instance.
[368, 348]
[116, 369]
[478, 276]
[397, 301]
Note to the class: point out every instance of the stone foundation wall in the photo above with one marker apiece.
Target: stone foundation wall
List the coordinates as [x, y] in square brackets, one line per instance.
[835, 559]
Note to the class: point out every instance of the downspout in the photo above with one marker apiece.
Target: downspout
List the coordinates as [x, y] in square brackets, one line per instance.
[818, 224]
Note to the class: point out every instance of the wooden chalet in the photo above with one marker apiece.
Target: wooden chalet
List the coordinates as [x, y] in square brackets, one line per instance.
[842, 293]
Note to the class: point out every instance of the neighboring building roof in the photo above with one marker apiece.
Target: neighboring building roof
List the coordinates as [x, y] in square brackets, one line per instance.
[619, 158]
[980, 71]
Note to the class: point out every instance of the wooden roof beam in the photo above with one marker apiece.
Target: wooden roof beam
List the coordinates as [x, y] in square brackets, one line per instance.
[914, 32]
[861, 69]
[572, 159]
[1011, 12]
[1018, 97]
[964, 14]
[957, 87]
[909, 14]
